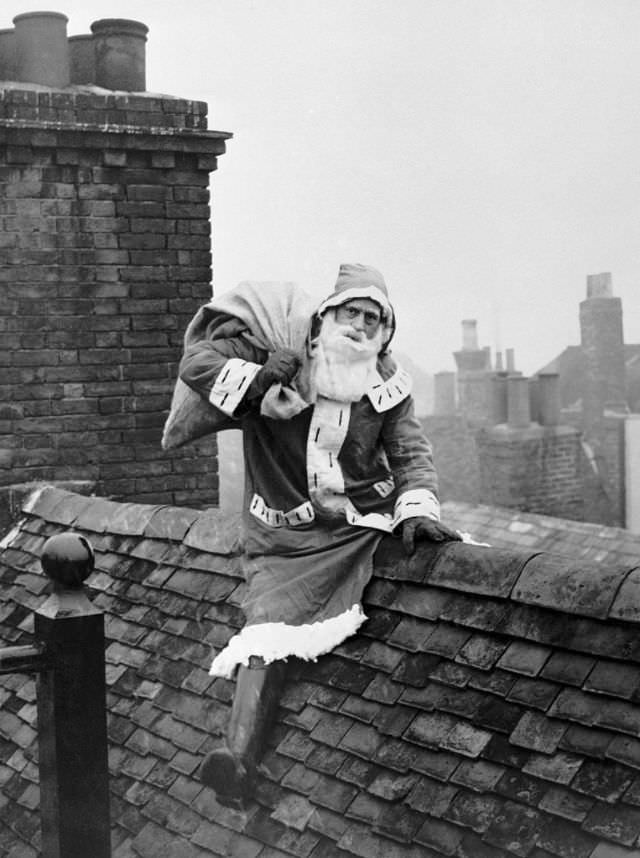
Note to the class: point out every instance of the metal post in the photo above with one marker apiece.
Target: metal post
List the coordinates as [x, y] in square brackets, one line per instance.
[72, 727]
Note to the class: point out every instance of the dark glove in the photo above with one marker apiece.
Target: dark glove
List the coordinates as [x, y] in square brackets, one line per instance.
[422, 527]
[280, 368]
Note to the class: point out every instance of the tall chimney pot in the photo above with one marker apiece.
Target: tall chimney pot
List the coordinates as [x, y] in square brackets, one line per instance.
[469, 335]
[549, 398]
[8, 54]
[42, 48]
[518, 407]
[511, 360]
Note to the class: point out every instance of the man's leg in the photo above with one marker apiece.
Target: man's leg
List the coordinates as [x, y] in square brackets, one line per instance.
[230, 770]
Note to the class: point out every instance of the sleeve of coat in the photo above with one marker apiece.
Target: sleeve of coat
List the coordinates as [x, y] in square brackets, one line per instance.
[221, 370]
[410, 458]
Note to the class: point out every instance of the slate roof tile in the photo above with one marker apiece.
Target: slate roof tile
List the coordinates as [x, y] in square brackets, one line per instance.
[296, 745]
[391, 786]
[466, 739]
[518, 785]
[481, 651]
[583, 740]
[525, 658]
[410, 633]
[325, 759]
[432, 797]
[537, 732]
[331, 730]
[381, 657]
[393, 720]
[332, 793]
[472, 810]
[566, 839]
[536, 693]
[440, 835]
[605, 781]
[478, 775]
[357, 771]
[559, 768]
[414, 669]
[430, 729]
[361, 740]
[450, 673]
[400, 826]
[326, 822]
[497, 715]
[567, 804]
[614, 678]
[514, 828]
[365, 808]
[364, 710]
[620, 824]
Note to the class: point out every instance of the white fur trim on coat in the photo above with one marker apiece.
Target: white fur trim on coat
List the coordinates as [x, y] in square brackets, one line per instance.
[232, 384]
[277, 641]
[383, 395]
[415, 502]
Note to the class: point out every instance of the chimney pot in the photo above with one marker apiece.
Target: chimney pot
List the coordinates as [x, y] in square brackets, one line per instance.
[469, 335]
[599, 285]
[511, 360]
[549, 398]
[120, 54]
[82, 59]
[8, 54]
[42, 48]
[518, 407]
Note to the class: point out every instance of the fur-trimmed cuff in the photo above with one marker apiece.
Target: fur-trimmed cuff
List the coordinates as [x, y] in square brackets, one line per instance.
[277, 641]
[232, 384]
[416, 502]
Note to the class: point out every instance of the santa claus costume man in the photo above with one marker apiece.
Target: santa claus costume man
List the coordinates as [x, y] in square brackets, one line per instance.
[334, 459]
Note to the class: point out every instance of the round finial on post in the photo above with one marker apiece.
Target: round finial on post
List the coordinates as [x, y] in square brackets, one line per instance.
[68, 560]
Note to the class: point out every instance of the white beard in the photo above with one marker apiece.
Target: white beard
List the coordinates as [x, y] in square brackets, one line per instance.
[344, 360]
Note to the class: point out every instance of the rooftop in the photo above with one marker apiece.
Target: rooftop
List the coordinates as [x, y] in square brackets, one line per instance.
[489, 707]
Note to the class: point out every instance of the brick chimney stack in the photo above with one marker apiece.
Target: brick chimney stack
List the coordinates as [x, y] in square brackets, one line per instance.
[603, 348]
[106, 256]
[474, 369]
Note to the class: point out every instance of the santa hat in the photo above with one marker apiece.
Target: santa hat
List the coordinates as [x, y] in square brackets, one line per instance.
[359, 281]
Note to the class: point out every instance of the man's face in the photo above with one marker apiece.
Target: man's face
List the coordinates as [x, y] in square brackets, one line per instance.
[362, 314]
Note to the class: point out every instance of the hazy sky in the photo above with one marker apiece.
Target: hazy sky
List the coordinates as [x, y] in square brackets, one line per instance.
[484, 154]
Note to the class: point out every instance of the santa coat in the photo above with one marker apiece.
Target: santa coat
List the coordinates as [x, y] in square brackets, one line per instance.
[321, 489]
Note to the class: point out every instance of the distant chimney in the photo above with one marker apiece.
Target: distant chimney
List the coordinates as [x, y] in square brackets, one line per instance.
[518, 409]
[603, 349]
[511, 360]
[469, 335]
[599, 285]
[444, 393]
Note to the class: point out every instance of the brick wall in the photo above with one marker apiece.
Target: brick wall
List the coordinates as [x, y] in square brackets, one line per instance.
[538, 469]
[456, 457]
[105, 256]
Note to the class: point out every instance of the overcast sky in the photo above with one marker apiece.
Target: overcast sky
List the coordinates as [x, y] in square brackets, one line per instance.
[483, 154]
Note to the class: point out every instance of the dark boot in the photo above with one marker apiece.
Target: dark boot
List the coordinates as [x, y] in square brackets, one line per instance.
[230, 770]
